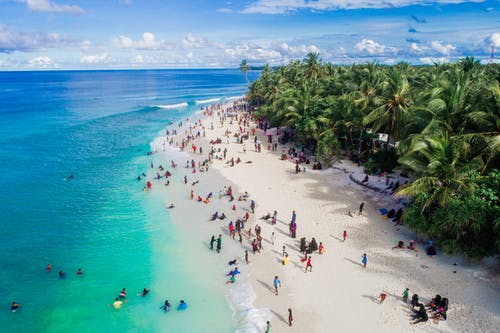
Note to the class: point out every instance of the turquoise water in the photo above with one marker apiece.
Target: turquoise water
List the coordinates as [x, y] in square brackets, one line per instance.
[97, 126]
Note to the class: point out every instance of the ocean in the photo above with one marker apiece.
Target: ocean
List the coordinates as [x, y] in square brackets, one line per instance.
[72, 144]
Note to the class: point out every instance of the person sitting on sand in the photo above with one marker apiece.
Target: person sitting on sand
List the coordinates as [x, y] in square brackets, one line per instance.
[365, 180]
[233, 262]
[414, 301]
[171, 206]
[231, 280]
[222, 217]
[200, 199]
[420, 315]
[412, 246]
[215, 216]
[400, 245]
[391, 213]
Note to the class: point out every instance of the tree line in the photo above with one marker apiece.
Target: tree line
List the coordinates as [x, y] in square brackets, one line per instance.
[442, 126]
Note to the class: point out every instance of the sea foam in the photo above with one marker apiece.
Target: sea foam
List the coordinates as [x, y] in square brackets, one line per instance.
[172, 106]
[206, 101]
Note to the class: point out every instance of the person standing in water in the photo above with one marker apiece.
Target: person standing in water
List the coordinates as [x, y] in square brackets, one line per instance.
[219, 243]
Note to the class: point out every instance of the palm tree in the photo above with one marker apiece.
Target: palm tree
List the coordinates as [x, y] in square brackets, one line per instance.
[244, 68]
[443, 167]
[393, 112]
[313, 66]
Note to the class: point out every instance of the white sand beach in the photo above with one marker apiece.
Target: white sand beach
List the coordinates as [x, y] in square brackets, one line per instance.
[339, 294]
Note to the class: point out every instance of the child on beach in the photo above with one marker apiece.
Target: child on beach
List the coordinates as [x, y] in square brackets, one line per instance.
[268, 327]
[308, 264]
[277, 285]
[405, 295]
[321, 248]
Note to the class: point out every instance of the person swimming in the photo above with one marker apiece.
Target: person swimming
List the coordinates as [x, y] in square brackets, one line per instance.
[61, 274]
[145, 292]
[182, 306]
[14, 306]
[123, 293]
[166, 306]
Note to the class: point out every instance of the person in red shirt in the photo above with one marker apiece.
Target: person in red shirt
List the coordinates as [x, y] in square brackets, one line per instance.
[308, 264]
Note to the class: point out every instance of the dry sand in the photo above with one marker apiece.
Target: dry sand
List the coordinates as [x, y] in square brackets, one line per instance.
[338, 295]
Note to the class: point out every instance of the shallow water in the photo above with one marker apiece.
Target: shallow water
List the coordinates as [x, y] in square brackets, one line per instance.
[97, 126]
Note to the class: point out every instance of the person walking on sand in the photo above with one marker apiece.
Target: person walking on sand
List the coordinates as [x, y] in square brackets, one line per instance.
[277, 285]
[308, 264]
[344, 235]
[273, 238]
[212, 241]
[246, 257]
[268, 327]
[294, 217]
[361, 208]
[290, 317]
[219, 243]
[364, 260]
[274, 218]
[252, 206]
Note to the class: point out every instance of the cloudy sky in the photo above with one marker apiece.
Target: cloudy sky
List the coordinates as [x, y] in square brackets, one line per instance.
[102, 34]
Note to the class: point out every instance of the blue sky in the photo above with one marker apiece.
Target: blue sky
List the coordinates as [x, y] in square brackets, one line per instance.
[88, 34]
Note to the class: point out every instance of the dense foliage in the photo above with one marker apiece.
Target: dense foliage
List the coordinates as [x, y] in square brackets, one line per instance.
[442, 124]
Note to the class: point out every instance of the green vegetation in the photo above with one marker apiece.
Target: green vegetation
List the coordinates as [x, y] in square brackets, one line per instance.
[442, 126]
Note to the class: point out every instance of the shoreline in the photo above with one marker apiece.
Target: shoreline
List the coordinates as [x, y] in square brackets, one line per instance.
[268, 179]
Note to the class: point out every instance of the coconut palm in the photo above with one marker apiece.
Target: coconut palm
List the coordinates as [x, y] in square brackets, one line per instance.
[244, 68]
[443, 166]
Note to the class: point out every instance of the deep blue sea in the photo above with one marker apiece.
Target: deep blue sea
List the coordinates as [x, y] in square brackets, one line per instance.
[96, 126]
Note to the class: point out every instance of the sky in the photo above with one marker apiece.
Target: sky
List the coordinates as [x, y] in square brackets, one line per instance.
[123, 34]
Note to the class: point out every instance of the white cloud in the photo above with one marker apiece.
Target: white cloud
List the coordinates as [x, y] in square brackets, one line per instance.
[42, 62]
[434, 60]
[224, 10]
[297, 51]
[443, 49]
[148, 42]
[416, 49]
[370, 46]
[11, 40]
[191, 41]
[495, 39]
[50, 6]
[286, 6]
[252, 51]
[95, 58]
